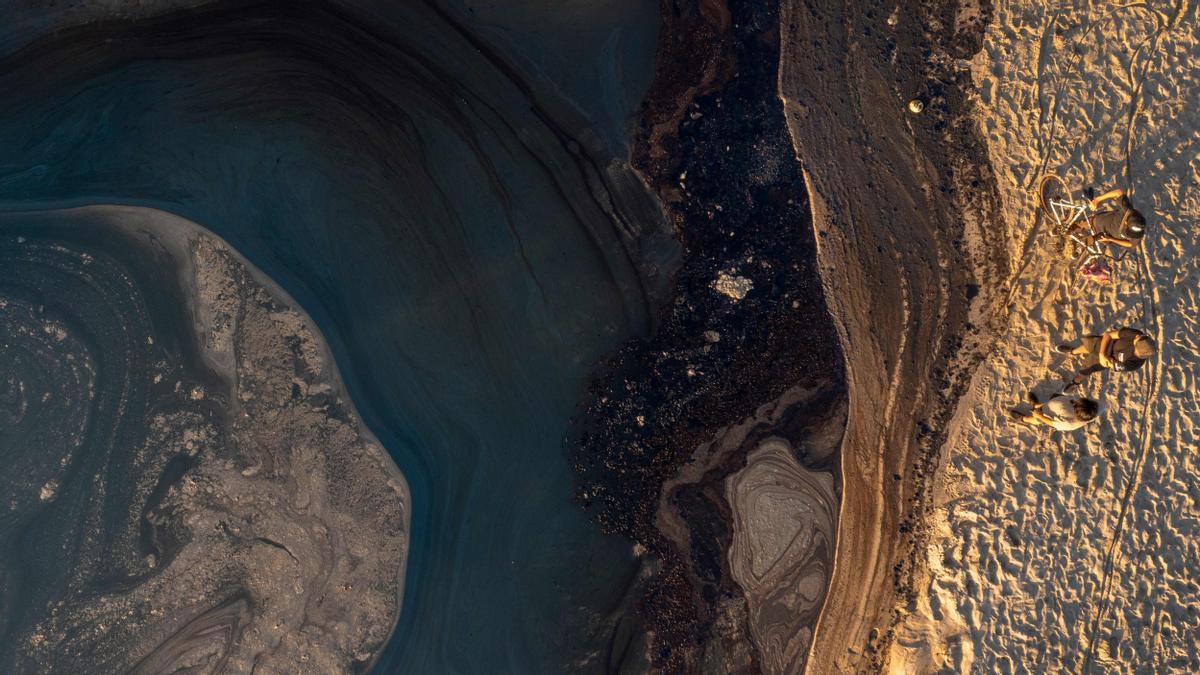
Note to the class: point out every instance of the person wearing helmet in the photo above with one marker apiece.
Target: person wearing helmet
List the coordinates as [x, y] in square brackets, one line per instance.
[1120, 349]
[1120, 224]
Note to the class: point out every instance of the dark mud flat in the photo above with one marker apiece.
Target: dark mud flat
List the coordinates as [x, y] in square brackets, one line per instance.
[188, 487]
[902, 205]
[673, 417]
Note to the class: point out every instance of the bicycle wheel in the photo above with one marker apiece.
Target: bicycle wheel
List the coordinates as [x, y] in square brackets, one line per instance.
[1051, 196]
[1051, 188]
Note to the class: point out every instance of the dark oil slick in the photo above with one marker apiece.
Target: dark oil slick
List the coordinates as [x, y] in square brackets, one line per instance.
[665, 445]
[446, 196]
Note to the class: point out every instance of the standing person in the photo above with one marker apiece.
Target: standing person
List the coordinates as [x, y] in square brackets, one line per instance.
[1061, 412]
[1121, 349]
[1121, 224]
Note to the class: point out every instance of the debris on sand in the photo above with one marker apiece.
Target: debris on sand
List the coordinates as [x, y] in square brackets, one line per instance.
[732, 286]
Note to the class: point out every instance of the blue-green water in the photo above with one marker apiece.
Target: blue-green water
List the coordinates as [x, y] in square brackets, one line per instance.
[457, 244]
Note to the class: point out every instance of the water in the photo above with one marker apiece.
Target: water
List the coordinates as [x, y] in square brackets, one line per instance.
[452, 241]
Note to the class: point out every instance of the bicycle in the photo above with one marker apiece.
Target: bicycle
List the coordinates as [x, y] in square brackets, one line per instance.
[1072, 220]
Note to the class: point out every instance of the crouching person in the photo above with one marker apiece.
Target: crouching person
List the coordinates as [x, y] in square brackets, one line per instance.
[1062, 412]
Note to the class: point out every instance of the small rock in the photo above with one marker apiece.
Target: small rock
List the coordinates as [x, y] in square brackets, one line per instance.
[732, 286]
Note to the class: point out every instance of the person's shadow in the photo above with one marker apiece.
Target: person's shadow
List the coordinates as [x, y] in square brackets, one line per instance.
[1060, 377]
[1055, 383]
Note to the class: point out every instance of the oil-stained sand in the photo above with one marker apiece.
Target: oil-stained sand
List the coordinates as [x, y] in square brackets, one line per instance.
[188, 485]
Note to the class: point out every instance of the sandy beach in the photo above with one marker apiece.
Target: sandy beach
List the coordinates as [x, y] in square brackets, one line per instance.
[1076, 550]
[686, 333]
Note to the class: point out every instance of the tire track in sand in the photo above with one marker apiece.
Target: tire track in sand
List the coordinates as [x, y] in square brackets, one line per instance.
[1113, 554]
[1049, 145]
[1112, 551]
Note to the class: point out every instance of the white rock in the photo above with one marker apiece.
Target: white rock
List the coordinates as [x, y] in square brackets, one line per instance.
[732, 286]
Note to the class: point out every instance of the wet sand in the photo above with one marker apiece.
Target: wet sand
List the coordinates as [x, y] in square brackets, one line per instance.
[900, 206]
[224, 508]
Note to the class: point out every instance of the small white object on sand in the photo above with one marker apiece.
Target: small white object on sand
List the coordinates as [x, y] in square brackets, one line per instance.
[732, 286]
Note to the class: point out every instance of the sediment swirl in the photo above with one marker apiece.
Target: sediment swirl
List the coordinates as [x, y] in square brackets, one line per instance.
[784, 523]
[192, 488]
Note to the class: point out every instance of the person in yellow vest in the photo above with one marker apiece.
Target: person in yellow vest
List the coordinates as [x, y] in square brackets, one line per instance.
[1120, 349]
[1119, 224]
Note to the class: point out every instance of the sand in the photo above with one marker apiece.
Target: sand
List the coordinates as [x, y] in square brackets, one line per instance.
[903, 240]
[1077, 551]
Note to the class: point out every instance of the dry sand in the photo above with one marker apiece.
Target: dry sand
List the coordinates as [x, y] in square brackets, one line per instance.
[1078, 551]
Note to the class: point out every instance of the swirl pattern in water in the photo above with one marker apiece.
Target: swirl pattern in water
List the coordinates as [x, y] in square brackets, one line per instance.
[188, 487]
[442, 186]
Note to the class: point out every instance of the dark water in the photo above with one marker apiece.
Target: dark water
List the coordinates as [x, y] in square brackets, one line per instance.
[452, 217]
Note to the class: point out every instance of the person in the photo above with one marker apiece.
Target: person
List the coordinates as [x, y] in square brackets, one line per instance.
[1061, 412]
[1120, 349]
[1121, 224]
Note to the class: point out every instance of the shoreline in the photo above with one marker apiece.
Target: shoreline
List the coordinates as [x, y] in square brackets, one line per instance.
[657, 440]
[178, 242]
[904, 283]
[182, 235]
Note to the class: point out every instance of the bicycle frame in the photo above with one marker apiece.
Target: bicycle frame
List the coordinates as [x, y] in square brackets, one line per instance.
[1066, 214]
